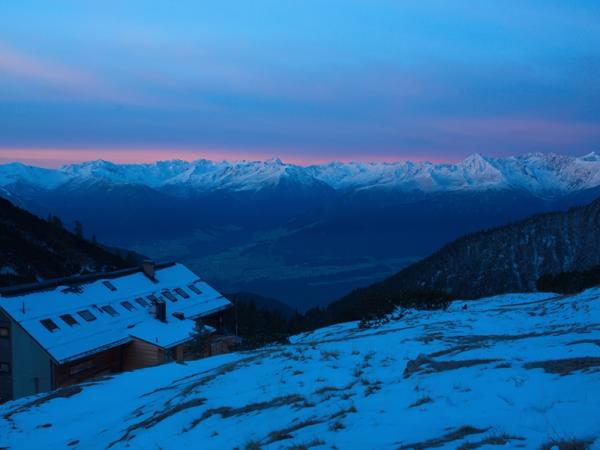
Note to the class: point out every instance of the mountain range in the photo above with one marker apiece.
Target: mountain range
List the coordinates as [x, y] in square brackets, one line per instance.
[539, 173]
[305, 235]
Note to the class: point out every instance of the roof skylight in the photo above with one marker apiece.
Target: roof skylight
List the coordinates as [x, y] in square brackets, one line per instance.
[110, 310]
[140, 301]
[169, 296]
[128, 306]
[194, 289]
[182, 293]
[49, 324]
[86, 315]
[69, 320]
[109, 285]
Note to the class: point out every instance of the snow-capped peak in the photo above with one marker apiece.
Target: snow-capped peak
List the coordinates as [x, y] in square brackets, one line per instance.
[592, 156]
[539, 173]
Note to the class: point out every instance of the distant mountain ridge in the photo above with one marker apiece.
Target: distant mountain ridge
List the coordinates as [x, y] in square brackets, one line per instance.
[543, 174]
[510, 258]
[304, 235]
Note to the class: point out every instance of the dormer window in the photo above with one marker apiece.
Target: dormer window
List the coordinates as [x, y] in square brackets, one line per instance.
[140, 301]
[152, 298]
[110, 310]
[49, 325]
[169, 296]
[194, 289]
[182, 293]
[69, 320]
[86, 315]
[128, 306]
[109, 285]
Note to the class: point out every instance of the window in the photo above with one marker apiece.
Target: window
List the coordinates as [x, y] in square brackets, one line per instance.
[69, 320]
[4, 332]
[195, 289]
[128, 306]
[109, 285]
[140, 301]
[110, 310]
[86, 315]
[4, 367]
[49, 324]
[182, 293]
[152, 298]
[169, 296]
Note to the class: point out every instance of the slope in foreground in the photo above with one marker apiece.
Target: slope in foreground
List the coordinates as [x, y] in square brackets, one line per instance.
[521, 371]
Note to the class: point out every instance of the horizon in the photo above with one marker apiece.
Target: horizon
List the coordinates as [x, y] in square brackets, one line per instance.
[416, 80]
[57, 164]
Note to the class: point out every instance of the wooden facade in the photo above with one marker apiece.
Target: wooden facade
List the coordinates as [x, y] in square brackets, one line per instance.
[140, 354]
[102, 363]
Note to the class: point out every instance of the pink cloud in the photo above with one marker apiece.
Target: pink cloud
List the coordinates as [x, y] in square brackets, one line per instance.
[72, 81]
[21, 65]
[55, 157]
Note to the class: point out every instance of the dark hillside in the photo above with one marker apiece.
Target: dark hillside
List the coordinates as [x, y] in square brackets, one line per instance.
[34, 249]
[510, 258]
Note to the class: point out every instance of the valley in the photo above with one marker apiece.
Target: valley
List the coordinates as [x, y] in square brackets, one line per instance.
[305, 235]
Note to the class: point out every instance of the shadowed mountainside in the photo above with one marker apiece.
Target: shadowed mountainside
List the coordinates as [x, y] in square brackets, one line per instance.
[510, 258]
[34, 249]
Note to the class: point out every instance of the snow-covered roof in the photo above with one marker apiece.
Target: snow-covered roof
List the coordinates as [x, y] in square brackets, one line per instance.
[120, 304]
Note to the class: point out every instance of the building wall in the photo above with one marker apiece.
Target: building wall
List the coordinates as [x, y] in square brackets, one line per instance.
[31, 366]
[142, 354]
[5, 358]
[108, 361]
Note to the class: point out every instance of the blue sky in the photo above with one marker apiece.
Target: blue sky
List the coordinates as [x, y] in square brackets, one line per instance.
[301, 80]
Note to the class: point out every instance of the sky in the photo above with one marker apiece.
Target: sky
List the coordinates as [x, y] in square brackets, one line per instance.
[303, 80]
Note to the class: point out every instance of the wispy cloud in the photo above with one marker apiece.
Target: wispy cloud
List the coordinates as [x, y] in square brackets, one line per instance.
[72, 82]
[524, 130]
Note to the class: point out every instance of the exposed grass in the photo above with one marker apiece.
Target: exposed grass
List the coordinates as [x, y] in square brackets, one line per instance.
[568, 444]
[421, 401]
[503, 365]
[205, 377]
[306, 446]
[327, 355]
[65, 392]
[158, 417]
[565, 366]
[372, 388]
[458, 434]
[454, 350]
[228, 411]
[252, 445]
[585, 341]
[286, 433]
[426, 364]
[326, 389]
[501, 439]
[337, 426]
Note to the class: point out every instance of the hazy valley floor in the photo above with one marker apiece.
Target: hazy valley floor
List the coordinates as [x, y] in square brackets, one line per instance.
[518, 371]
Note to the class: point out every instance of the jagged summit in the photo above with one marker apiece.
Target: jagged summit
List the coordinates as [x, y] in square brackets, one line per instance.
[592, 156]
[540, 173]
